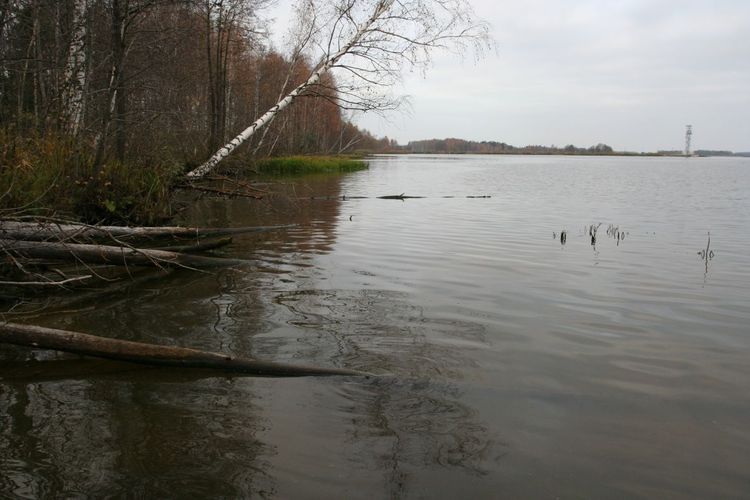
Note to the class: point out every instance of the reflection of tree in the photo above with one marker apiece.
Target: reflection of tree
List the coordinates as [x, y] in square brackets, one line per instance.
[131, 435]
[55, 444]
[417, 426]
[17, 475]
[412, 418]
[291, 203]
[194, 439]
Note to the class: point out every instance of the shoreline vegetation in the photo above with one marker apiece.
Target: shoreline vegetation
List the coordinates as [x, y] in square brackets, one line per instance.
[72, 210]
[304, 165]
[50, 177]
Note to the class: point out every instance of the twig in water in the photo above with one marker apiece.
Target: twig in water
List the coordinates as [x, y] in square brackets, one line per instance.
[46, 283]
[707, 254]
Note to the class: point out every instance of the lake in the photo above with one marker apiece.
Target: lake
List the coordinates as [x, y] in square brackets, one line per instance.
[510, 364]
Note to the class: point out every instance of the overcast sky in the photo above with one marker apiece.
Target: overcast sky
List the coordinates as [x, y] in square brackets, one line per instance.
[628, 73]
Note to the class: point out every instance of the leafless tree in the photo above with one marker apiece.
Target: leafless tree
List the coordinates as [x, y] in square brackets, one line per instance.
[369, 42]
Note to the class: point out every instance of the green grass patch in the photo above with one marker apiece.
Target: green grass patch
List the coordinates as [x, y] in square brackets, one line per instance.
[301, 165]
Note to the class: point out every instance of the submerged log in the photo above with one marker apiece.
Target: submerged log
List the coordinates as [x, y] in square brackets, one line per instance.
[106, 254]
[198, 247]
[225, 192]
[401, 196]
[38, 337]
[46, 231]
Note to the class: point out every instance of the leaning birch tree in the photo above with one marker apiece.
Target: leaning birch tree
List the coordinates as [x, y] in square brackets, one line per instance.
[369, 43]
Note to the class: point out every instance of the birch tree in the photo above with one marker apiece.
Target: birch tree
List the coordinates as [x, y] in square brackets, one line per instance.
[75, 70]
[369, 42]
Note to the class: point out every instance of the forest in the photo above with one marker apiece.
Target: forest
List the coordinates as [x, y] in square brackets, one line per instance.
[104, 102]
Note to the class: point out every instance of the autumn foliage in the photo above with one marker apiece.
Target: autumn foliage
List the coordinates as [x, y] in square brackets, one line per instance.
[160, 84]
[163, 79]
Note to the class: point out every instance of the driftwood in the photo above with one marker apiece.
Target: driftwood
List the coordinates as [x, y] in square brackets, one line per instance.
[45, 231]
[38, 337]
[401, 196]
[244, 184]
[198, 247]
[388, 197]
[106, 254]
[225, 192]
[62, 282]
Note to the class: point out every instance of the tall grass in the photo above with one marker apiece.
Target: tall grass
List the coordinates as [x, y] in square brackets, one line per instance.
[55, 175]
[300, 165]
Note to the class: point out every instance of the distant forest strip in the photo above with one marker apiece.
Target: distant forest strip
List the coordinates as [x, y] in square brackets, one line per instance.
[492, 147]
[462, 146]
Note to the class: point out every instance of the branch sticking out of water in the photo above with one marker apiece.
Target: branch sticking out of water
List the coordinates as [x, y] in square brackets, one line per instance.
[707, 254]
[592, 232]
[401, 196]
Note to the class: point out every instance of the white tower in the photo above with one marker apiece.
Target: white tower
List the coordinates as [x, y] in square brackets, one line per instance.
[688, 138]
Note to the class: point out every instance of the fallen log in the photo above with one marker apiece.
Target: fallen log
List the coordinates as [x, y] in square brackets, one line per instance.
[247, 185]
[106, 254]
[45, 231]
[225, 192]
[401, 196]
[198, 247]
[38, 337]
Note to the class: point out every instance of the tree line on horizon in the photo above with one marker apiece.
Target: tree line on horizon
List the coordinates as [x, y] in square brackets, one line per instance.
[462, 146]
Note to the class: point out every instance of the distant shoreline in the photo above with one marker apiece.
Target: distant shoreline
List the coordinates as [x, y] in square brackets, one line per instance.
[520, 153]
[462, 146]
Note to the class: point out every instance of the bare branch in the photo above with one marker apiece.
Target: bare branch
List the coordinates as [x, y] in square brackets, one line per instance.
[368, 43]
[46, 283]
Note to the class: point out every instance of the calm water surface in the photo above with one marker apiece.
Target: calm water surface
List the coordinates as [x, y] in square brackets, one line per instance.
[512, 365]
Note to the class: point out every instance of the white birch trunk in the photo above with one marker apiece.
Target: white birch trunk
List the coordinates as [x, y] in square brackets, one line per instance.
[268, 116]
[75, 70]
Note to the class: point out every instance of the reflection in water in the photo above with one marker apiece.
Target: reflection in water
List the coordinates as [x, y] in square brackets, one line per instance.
[419, 426]
[411, 418]
[98, 437]
[368, 326]
[290, 204]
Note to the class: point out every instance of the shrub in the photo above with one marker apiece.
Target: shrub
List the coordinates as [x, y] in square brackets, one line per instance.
[53, 175]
